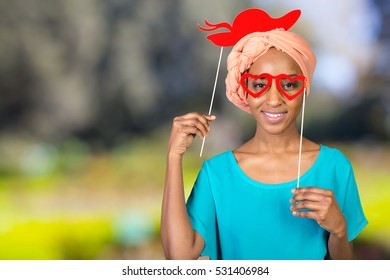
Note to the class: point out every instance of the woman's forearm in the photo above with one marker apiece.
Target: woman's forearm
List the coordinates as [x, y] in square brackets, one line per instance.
[178, 237]
[339, 247]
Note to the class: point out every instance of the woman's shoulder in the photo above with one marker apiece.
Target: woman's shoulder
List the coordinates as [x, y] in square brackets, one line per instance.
[221, 158]
[335, 155]
[222, 163]
[326, 151]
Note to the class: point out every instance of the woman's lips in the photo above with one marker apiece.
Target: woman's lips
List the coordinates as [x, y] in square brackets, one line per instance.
[274, 117]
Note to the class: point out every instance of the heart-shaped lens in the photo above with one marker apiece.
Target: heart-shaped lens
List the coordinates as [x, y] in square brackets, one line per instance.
[256, 85]
[290, 87]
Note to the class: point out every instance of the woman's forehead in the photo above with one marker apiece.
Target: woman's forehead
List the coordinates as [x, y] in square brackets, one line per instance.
[275, 62]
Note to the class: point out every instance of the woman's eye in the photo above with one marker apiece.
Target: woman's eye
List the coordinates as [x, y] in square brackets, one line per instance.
[288, 86]
[259, 85]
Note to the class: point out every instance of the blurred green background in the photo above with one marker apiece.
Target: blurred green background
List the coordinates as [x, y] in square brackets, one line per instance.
[88, 91]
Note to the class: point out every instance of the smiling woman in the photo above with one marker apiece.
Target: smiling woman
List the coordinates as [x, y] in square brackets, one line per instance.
[256, 202]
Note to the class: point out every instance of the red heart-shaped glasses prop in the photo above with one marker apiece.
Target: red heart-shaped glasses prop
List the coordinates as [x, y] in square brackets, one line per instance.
[289, 86]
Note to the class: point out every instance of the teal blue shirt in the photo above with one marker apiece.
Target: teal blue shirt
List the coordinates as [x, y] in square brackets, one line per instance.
[240, 218]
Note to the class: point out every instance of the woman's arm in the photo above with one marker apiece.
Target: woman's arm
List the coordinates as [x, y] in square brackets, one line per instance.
[179, 239]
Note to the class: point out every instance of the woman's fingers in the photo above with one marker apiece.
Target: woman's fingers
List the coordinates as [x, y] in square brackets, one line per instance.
[196, 123]
[311, 194]
[201, 122]
[312, 198]
[192, 130]
[204, 119]
[314, 206]
[306, 214]
[316, 190]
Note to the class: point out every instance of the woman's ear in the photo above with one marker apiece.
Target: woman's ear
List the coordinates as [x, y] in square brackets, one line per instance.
[305, 88]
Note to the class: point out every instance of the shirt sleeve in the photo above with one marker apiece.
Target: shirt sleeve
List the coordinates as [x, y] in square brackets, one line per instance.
[201, 211]
[352, 207]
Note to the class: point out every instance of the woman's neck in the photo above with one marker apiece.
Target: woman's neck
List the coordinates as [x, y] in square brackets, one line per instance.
[276, 144]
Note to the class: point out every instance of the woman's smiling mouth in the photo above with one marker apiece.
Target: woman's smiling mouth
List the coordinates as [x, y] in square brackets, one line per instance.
[274, 117]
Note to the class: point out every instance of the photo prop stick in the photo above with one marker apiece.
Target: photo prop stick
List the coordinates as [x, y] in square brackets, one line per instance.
[212, 97]
[301, 136]
[246, 22]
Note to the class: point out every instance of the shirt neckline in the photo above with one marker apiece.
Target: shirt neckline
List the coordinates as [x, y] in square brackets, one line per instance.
[238, 169]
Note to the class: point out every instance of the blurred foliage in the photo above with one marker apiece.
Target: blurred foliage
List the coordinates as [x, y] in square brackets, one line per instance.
[108, 207]
[371, 166]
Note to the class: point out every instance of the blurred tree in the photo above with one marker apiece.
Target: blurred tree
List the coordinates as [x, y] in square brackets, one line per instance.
[382, 68]
[102, 70]
[370, 118]
[105, 71]
[365, 115]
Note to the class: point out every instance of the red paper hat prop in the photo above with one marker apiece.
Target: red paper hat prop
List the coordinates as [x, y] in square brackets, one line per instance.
[246, 22]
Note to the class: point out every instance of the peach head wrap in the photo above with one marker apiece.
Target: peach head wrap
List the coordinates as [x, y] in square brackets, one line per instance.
[248, 49]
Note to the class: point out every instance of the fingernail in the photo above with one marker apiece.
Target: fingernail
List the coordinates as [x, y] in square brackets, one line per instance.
[294, 213]
[294, 190]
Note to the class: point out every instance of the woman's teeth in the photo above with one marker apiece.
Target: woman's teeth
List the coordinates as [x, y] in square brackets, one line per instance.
[273, 115]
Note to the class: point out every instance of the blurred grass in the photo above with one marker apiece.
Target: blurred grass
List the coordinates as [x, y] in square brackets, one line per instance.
[60, 238]
[73, 202]
[81, 203]
[371, 165]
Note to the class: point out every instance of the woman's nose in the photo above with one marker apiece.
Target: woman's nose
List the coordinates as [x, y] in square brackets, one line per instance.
[274, 96]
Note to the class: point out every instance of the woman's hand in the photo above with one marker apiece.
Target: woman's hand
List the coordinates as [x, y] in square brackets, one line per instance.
[324, 209]
[184, 129]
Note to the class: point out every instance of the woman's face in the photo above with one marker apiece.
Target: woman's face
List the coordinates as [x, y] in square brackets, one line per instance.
[273, 112]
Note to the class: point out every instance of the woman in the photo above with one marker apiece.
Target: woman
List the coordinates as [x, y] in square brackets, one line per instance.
[245, 203]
